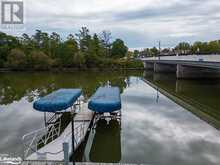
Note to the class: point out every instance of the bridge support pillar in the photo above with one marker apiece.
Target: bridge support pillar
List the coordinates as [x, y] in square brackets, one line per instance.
[149, 65]
[164, 68]
[190, 72]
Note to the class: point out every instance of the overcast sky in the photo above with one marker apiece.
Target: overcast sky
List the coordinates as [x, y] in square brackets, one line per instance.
[140, 23]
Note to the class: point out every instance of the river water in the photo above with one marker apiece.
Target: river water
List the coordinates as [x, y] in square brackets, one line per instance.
[164, 120]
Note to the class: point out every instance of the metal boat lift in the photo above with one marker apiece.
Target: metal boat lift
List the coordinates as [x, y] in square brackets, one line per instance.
[106, 103]
[50, 142]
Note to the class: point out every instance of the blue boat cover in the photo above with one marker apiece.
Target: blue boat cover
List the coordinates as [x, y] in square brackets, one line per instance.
[106, 99]
[58, 100]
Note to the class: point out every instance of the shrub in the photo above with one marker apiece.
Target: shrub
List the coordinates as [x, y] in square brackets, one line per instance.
[2, 62]
[135, 64]
[40, 60]
[128, 64]
[17, 59]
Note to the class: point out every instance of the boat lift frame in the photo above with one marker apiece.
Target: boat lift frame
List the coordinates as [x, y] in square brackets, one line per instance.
[116, 115]
[106, 103]
[50, 119]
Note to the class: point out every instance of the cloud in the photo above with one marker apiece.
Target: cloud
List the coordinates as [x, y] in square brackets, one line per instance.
[141, 23]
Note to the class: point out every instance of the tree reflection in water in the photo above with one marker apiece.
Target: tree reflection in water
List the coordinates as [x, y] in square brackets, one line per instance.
[16, 85]
[106, 146]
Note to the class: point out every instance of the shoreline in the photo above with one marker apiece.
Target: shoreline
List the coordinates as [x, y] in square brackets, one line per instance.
[2, 70]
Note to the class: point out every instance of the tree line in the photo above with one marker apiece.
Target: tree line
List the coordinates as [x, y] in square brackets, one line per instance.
[183, 48]
[81, 50]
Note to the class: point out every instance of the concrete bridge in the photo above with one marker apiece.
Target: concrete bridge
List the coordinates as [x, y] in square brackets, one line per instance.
[185, 67]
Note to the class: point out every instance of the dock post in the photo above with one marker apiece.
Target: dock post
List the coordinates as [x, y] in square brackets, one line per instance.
[66, 153]
[73, 136]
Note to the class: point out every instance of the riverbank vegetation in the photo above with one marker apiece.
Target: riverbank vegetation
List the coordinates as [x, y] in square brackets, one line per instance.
[43, 51]
[183, 48]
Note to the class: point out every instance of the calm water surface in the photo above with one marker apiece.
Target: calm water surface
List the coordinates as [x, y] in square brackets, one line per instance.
[154, 129]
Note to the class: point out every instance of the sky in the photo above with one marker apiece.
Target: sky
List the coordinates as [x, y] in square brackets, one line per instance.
[140, 23]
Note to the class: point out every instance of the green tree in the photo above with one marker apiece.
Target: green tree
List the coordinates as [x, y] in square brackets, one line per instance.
[154, 51]
[183, 48]
[85, 44]
[97, 48]
[71, 41]
[200, 48]
[95, 52]
[119, 49]
[27, 43]
[7, 42]
[43, 50]
[214, 47]
[129, 55]
[55, 41]
[42, 41]
[83, 39]
[79, 60]
[67, 52]
[136, 53]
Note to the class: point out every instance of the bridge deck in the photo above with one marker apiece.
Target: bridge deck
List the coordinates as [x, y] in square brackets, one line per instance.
[204, 61]
[207, 58]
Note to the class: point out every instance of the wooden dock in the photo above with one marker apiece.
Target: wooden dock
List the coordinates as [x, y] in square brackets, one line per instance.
[53, 151]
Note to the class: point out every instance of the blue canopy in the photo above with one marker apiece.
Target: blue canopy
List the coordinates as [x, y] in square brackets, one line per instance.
[106, 99]
[58, 100]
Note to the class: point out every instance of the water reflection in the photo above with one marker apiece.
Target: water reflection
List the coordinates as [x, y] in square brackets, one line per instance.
[14, 86]
[199, 96]
[18, 90]
[106, 146]
[154, 129]
[164, 133]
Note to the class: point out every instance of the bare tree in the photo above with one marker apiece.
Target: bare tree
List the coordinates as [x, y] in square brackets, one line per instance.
[106, 38]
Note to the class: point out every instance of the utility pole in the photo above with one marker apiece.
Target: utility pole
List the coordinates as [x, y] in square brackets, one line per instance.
[159, 51]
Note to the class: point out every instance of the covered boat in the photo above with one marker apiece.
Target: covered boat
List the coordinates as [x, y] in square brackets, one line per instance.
[106, 99]
[58, 100]
[47, 143]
